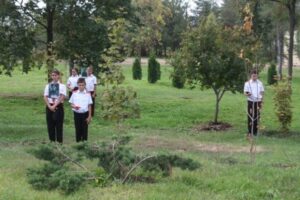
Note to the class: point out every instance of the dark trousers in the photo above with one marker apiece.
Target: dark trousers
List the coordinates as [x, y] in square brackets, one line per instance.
[253, 116]
[55, 122]
[81, 126]
[93, 105]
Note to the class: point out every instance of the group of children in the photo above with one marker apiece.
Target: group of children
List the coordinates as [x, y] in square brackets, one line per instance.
[82, 93]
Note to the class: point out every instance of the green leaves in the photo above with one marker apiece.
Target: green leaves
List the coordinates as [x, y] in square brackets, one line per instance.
[283, 104]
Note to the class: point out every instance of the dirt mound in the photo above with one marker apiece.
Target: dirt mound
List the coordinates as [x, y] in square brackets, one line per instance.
[212, 127]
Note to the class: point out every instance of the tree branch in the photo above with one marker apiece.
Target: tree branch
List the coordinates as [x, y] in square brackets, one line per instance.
[134, 167]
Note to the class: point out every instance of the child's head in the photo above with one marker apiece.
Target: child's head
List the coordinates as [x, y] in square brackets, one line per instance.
[81, 84]
[89, 70]
[55, 75]
[254, 74]
[74, 71]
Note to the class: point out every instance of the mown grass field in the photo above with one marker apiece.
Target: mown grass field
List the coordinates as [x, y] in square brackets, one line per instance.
[167, 124]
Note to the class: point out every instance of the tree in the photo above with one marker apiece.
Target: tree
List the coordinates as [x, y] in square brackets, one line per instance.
[16, 39]
[272, 74]
[291, 8]
[178, 76]
[213, 59]
[153, 69]
[176, 23]
[137, 69]
[146, 35]
[203, 9]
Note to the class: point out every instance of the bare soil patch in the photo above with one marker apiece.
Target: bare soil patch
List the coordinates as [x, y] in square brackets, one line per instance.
[212, 127]
[184, 145]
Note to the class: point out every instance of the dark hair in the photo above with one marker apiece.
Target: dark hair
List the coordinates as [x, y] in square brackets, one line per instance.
[55, 71]
[81, 80]
[253, 71]
[75, 69]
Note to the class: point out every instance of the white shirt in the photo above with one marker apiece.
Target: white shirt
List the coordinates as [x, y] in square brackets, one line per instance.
[72, 81]
[54, 90]
[255, 88]
[82, 100]
[90, 81]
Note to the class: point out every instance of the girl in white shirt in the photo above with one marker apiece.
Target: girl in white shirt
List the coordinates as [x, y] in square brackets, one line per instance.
[72, 81]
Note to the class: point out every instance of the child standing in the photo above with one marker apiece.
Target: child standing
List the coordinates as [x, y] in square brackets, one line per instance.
[54, 95]
[81, 102]
[72, 81]
[91, 83]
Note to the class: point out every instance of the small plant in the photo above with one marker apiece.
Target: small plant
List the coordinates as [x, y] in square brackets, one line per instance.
[282, 100]
[272, 73]
[154, 73]
[137, 69]
[64, 170]
[178, 76]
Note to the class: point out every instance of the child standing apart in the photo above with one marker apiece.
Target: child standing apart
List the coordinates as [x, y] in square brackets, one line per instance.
[81, 102]
[72, 81]
[91, 83]
[54, 95]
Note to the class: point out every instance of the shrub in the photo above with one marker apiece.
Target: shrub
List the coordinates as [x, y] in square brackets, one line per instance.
[153, 69]
[178, 76]
[272, 73]
[137, 69]
[282, 99]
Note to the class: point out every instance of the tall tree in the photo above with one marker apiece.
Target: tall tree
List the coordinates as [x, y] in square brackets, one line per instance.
[16, 38]
[203, 9]
[212, 59]
[175, 24]
[290, 5]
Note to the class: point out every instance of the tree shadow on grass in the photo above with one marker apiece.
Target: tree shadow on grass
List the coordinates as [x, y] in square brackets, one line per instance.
[280, 134]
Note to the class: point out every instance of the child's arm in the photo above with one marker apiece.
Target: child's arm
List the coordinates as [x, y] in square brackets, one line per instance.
[89, 119]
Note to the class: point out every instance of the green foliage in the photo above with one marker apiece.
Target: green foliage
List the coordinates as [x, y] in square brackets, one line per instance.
[154, 73]
[16, 39]
[56, 173]
[119, 103]
[272, 74]
[137, 69]
[282, 101]
[117, 159]
[212, 60]
[178, 75]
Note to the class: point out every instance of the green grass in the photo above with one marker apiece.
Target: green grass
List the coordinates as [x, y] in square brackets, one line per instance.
[168, 116]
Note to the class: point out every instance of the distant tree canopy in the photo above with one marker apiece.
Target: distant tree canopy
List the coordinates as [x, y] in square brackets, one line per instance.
[74, 30]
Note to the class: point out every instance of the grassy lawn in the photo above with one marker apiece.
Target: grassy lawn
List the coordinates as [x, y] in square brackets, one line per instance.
[168, 118]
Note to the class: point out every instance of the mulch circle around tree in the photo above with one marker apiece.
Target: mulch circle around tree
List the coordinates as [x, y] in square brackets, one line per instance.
[211, 126]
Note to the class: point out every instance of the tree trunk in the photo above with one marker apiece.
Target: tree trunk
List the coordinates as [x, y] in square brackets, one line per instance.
[292, 19]
[50, 16]
[219, 94]
[217, 109]
[279, 49]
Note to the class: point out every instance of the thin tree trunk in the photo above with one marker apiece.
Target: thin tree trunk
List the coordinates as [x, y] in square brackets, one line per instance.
[219, 94]
[279, 49]
[292, 18]
[50, 17]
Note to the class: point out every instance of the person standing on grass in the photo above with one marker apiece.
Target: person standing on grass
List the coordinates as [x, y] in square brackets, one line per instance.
[91, 83]
[254, 90]
[54, 95]
[81, 102]
[72, 81]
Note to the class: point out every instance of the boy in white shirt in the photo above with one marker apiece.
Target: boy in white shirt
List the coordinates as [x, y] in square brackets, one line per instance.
[54, 95]
[254, 90]
[81, 102]
[72, 81]
[91, 83]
